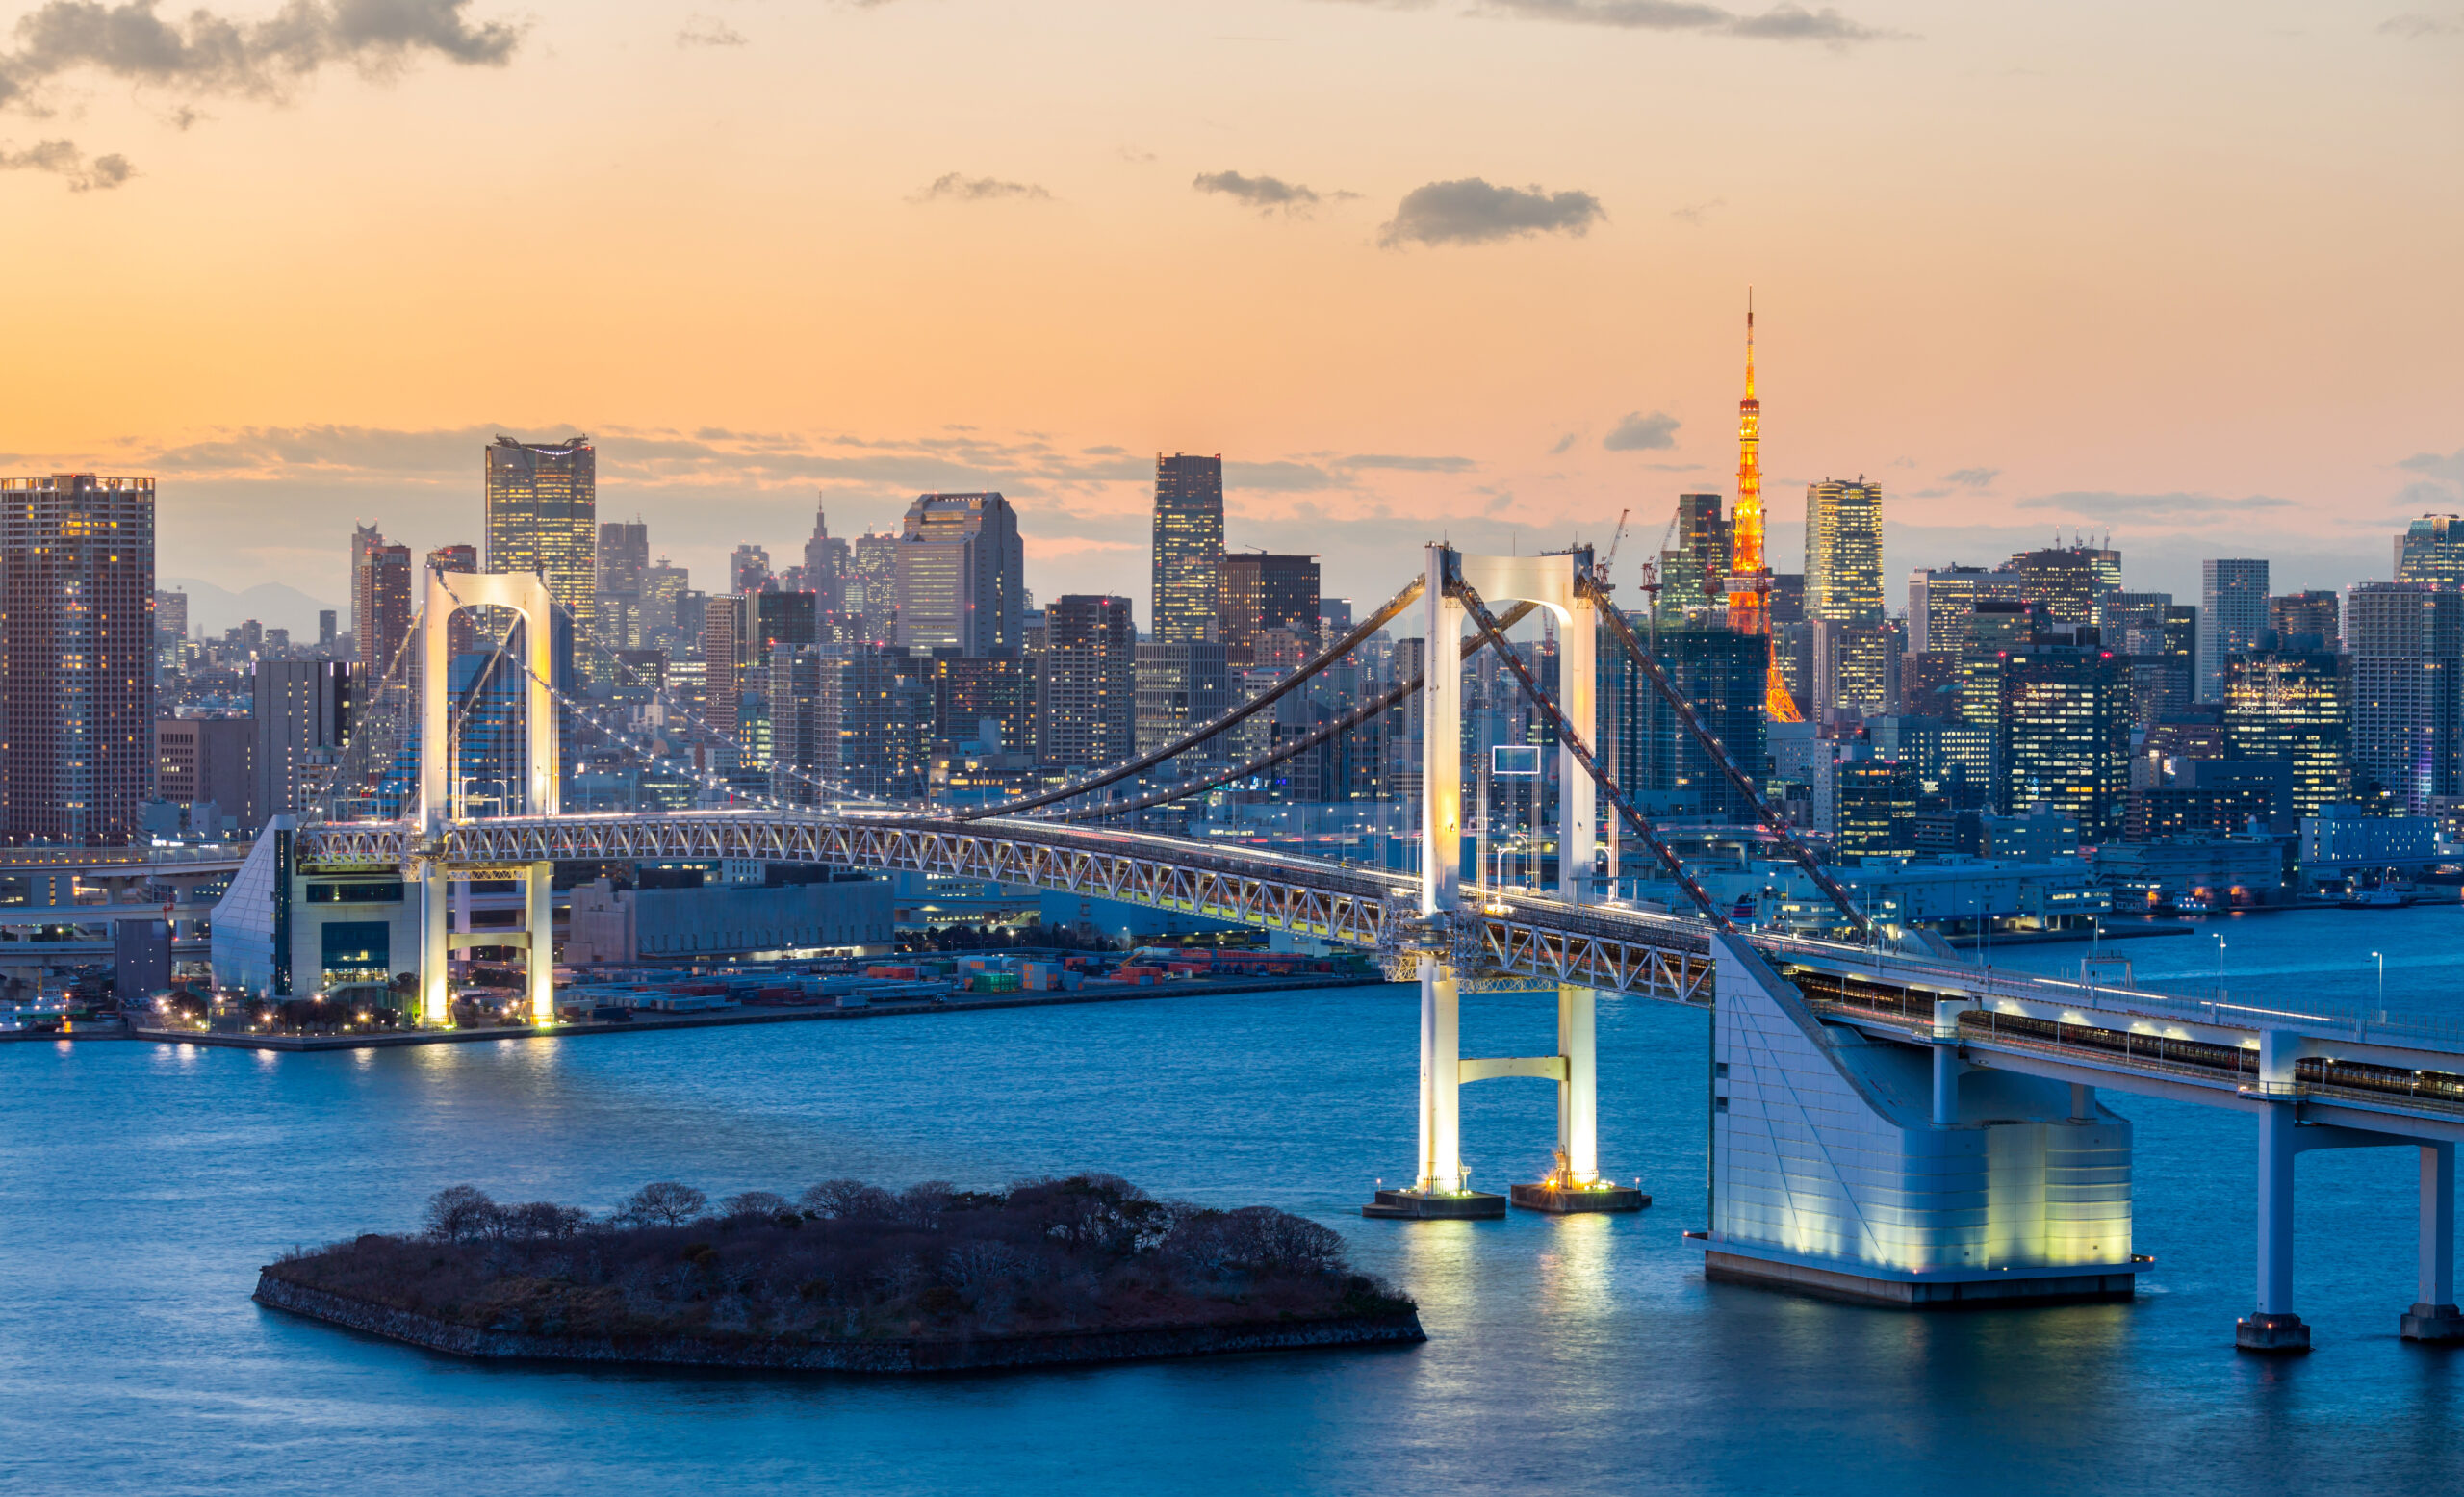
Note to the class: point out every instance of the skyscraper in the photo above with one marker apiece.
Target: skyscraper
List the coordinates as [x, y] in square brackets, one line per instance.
[1694, 575]
[748, 569]
[624, 560]
[2431, 549]
[380, 602]
[1262, 592]
[2065, 724]
[872, 589]
[827, 563]
[1941, 604]
[543, 516]
[76, 658]
[2070, 584]
[1087, 714]
[302, 712]
[962, 575]
[2288, 705]
[2232, 615]
[1189, 548]
[2407, 641]
[1182, 686]
[1844, 551]
[2310, 620]
[1723, 674]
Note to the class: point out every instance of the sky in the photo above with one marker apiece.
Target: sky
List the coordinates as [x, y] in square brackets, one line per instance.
[1472, 269]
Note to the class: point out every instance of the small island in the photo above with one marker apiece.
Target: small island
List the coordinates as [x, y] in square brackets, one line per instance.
[850, 1278]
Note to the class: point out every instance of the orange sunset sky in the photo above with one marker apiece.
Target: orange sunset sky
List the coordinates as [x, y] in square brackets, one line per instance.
[2186, 273]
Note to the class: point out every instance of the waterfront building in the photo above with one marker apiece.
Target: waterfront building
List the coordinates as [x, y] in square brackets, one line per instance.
[2291, 705]
[2345, 841]
[880, 701]
[1844, 551]
[1694, 573]
[1941, 604]
[962, 575]
[1263, 592]
[1087, 715]
[2064, 728]
[76, 658]
[2406, 645]
[1189, 548]
[2308, 620]
[1182, 686]
[302, 714]
[2228, 870]
[543, 516]
[2233, 613]
[2431, 550]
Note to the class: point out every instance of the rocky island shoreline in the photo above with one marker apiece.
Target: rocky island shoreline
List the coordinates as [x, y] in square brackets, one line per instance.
[849, 1277]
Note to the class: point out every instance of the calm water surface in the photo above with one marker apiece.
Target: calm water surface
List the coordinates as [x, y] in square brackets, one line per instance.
[141, 1186]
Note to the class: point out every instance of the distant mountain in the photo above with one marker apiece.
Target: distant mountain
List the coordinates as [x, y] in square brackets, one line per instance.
[212, 610]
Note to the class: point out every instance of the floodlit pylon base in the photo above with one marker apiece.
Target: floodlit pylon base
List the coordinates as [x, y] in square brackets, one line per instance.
[1461, 1205]
[2278, 1334]
[1571, 1199]
[2432, 1323]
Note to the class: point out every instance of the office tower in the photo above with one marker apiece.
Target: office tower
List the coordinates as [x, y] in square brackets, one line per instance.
[623, 564]
[1941, 604]
[170, 632]
[1844, 551]
[2134, 623]
[462, 633]
[301, 712]
[727, 650]
[1334, 618]
[1181, 686]
[1856, 669]
[1263, 592]
[748, 570]
[1088, 714]
[1929, 684]
[1723, 674]
[209, 761]
[2431, 550]
[2305, 620]
[803, 737]
[380, 602]
[827, 560]
[2233, 613]
[1189, 548]
[873, 585]
[779, 620]
[882, 702]
[326, 638]
[2289, 706]
[2065, 726]
[2406, 643]
[543, 516]
[1787, 599]
[76, 658]
[1694, 573]
[662, 587]
[985, 699]
[962, 575]
[1873, 808]
[2069, 585]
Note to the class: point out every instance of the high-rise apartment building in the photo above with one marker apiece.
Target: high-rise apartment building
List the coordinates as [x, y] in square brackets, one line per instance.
[2309, 620]
[1694, 573]
[2069, 585]
[1088, 712]
[872, 588]
[76, 658]
[2431, 550]
[1189, 548]
[543, 516]
[380, 602]
[1855, 669]
[1941, 604]
[1182, 686]
[2232, 615]
[301, 712]
[1844, 551]
[462, 633]
[962, 575]
[985, 699]
[2289, 706]
[2406, 644]
[727, 650]
[1263, 592]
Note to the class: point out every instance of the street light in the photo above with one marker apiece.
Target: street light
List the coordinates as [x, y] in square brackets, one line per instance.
[2219, 959]
[2382, 980]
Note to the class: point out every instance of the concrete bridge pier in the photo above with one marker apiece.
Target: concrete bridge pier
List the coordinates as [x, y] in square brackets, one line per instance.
[1576, 1185]
[2273, 1327]
[1439, 1190]
[539, 957]
[2434, 1316]
[436, 990]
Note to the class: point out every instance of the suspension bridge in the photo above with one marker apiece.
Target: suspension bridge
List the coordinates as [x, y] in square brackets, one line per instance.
[1889, 1123]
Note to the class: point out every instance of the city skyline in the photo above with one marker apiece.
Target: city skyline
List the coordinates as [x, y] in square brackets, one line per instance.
[2034, 343]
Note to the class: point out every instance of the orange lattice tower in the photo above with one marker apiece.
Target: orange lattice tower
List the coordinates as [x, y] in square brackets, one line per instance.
[1749, 576]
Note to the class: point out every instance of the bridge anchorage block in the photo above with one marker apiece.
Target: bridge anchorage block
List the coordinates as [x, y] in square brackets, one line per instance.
[1436, 1205]
[2432, 1323]
[2281, 1335]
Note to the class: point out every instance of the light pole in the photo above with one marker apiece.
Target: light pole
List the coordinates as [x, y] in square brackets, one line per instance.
[2382, 980]
[2220, 960]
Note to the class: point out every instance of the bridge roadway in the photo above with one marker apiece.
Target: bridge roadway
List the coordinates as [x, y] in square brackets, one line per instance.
[2383, 1073]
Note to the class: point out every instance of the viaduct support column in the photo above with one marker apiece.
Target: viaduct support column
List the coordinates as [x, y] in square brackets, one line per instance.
[436, 1005]
[1441, 740]
[1578, 1095]
[2434, 1316]
[540, 917]
[2273, 1327]
[1946, 1060]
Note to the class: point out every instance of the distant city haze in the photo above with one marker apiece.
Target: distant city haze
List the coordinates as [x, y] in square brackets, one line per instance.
[2182, 273]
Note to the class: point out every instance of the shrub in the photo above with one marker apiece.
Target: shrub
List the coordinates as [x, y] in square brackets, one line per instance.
[664, 1204]
[461, 1213]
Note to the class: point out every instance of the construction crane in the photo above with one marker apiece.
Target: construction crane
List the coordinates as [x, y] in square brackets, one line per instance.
[1608, 564]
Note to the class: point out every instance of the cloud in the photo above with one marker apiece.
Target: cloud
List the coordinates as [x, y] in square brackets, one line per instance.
[1973, 478]
[1564, 444]
[64, 159]
[1136, 157]
[2417, 28]
[1264, 193]
[708, 31]
[1785, 22]
[1287, 477]
[2100, 505]
[978, 190]
[1403, 464]
[1637, 432]
[1695, 213]
[1469, 211]
[2445, 468]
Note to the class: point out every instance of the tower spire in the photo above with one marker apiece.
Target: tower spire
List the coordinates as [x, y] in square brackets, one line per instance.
[1749, 574]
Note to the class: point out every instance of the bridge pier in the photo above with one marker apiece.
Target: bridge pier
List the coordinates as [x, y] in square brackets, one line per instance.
[1439, 1190]
[436, 990]
[539, 959]
[2434, 1316]
[2273, 1327]
[1576, 1185]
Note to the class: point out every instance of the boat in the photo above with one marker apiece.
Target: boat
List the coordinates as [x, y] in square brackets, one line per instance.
[2379, 898]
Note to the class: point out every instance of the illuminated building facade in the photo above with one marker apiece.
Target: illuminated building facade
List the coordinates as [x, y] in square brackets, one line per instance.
[2289, 705]
[1694, 574]
[543, 516]
[961, 576]
[2431, 550]
[2065, 721]
[1088, 709]
[2406, 643]
[1844, 551]
[1263, 592]
[1941, 604]
[2232, 615]
[1189, 548]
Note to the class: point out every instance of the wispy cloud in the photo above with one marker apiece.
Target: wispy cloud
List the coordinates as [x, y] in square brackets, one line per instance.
[1637, 432]
[1785, 22]
[64, 160]
[1973, 478]
[2419, 27]
[2103, 505]
[1266, 195]
[960, 188]
[708, 31]
[1408, 464]
[1469, 211]
[1696, 213]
